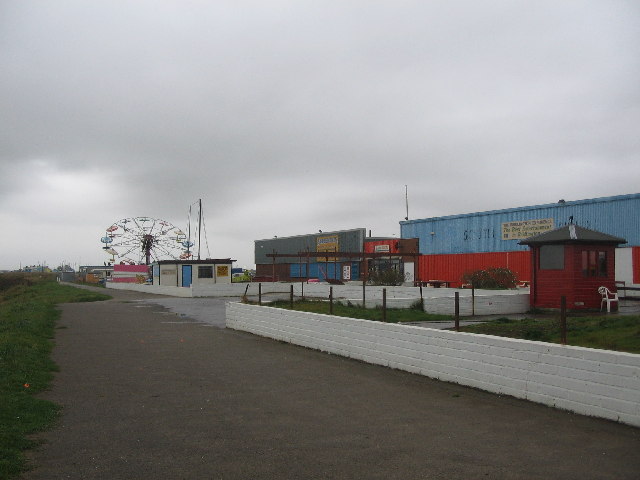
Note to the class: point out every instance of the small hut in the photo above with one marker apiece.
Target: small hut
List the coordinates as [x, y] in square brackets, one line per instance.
[184, 273]
[573, 262]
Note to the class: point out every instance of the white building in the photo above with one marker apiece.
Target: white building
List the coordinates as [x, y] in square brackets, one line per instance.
[184, 273]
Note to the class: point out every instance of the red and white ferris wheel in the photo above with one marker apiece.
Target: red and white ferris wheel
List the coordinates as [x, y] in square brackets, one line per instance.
[139, 240]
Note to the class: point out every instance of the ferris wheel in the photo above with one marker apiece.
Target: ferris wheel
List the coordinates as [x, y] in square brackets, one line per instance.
[143, 239]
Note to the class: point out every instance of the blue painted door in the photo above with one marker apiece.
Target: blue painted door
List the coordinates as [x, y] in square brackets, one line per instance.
[186, 275]
[355, 271]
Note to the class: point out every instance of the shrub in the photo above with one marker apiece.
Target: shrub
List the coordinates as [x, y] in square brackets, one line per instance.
[418, 305]
[491, 278]
[12, 279]
[389, 276]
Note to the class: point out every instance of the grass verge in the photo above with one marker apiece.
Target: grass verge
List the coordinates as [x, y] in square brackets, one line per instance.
[394, 315]
[27, 321]
[620, 333]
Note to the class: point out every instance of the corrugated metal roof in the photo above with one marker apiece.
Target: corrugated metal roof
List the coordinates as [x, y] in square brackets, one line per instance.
[559, 204]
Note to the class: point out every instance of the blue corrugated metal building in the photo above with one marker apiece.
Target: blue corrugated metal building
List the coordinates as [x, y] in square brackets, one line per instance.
[501, 230]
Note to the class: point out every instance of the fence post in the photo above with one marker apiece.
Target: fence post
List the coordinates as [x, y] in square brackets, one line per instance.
[473, 300]
[457, 311]
[421, 298]
[291, 296]
[260, 294]
[302, 289]
[364, 296]
[384, 304]
[563, 320]
[330, 300]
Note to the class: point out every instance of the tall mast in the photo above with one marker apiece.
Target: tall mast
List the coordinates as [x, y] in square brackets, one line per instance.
[406, 201]
[189, 231]
[199, 225]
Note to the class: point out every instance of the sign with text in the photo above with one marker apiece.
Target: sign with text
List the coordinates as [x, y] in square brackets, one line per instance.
[346, 272]
[526, 228]
[327, 244]
[381, 248]
[222, 271]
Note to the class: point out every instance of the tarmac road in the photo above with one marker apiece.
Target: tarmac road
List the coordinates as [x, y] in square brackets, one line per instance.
[152, 394]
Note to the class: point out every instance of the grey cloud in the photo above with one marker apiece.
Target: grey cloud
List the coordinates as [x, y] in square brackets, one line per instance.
[325, 110]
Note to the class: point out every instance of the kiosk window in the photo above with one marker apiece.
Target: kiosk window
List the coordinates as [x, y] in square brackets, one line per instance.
[552, 257]
[594, 263]
[205, 272]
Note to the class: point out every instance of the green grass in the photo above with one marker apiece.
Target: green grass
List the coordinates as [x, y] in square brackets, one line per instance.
[394, 315]
[27, 322]
[241, 278]
[620, 333]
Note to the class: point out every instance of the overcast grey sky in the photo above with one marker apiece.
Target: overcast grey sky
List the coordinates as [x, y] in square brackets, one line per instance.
[287, 117]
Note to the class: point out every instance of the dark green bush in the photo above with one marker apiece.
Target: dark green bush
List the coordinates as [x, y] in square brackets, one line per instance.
[491, 278]
[389, 276]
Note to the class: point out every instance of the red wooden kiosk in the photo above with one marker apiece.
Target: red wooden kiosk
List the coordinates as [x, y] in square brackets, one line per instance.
[573, 262]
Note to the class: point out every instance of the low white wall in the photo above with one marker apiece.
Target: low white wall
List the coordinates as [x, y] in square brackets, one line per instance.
[483, 304]
[495, 304]
[591, 382]
[354, 291]
[436, 300]
[155, 289]
[232, 289]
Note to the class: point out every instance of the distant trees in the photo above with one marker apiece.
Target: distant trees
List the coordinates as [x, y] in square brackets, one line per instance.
[64, 267]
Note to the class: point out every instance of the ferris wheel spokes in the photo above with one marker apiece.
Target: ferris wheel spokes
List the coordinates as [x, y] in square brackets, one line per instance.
[143, 238]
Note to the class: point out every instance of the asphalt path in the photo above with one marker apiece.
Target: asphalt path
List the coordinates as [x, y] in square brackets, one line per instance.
[149, 392]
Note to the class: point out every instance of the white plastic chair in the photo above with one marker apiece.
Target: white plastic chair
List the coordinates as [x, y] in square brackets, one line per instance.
[607, 296]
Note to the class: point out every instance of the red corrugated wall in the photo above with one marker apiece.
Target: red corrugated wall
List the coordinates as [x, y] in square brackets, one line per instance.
[452, 267]
[635, 258]
[143, 269]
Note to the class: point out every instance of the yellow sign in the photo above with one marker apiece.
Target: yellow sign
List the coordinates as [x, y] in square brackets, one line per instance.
[222, 271]
[327, 244]
[526, 228]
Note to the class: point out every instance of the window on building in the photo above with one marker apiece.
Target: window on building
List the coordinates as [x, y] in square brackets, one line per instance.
[594, 263]
[205, 271]
[552, 257]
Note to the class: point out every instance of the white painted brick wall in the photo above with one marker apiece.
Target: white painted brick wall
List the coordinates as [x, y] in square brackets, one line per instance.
[436, 300]
[155, 289]
[587, 381]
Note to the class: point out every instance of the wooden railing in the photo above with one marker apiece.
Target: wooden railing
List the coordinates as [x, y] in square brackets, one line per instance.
[623, 289]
